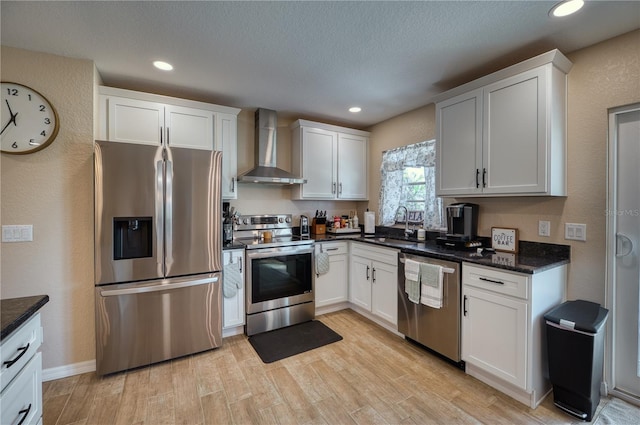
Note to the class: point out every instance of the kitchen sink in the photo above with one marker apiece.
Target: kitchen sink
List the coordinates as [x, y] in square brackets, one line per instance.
[397, 243]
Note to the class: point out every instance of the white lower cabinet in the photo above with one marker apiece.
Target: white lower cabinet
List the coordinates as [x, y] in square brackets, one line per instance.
[233, 307]
[373, 281]
[503, 341]
[21, 396]
[332, 287]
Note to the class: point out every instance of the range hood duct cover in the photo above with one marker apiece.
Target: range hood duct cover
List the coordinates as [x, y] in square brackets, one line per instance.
[265, 171]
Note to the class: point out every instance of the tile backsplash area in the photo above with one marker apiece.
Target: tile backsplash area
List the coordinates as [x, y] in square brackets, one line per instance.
[273, 199]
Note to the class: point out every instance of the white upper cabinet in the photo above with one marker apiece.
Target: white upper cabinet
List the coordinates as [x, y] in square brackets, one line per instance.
[189, 127]
[333, 160]
[226, 141]
[145, 118]
[505, 134]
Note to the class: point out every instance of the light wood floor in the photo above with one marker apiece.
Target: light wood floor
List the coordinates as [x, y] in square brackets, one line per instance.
[370, 377]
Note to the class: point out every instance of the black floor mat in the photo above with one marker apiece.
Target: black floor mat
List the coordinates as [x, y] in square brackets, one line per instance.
[286, 342]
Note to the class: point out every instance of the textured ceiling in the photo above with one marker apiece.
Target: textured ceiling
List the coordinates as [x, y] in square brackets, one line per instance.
[307, 59]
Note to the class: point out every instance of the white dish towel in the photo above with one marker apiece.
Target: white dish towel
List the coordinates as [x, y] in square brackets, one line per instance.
[322, 263]
[232, 280]
[412, 280]
[431, 278]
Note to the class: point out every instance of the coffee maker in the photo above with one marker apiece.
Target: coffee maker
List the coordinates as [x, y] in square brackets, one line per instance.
[462, 226]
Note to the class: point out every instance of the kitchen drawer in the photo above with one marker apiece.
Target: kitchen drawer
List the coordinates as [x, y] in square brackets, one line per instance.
[18, 348]
[495, 280]
[21, 401]
[332, 248]
[374, 253]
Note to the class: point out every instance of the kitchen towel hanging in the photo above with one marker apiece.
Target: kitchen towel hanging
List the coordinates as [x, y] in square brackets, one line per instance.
[322, 262]
[232, 280]
[431, 277]
[412, 280]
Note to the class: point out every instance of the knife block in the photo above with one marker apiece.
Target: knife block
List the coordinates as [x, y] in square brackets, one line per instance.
[318, 228]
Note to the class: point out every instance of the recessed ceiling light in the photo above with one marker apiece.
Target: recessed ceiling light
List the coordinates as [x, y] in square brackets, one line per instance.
[355, 109]
[566, 8]
[165, 66]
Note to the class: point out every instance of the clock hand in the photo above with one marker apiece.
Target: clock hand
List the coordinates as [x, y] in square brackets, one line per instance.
[9, 106]
[11, 120]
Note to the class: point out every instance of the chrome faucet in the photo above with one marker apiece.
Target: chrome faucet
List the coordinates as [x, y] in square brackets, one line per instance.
[407, 232]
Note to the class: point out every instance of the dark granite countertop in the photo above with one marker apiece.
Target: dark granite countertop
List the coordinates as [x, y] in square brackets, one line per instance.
[532, 257]
[233, 245]
[16, 311]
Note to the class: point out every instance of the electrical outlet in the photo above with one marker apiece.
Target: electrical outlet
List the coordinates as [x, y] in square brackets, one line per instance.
[544, 228]
[575, 231]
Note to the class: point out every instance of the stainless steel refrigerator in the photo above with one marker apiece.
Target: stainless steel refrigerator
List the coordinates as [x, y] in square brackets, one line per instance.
[158, 253]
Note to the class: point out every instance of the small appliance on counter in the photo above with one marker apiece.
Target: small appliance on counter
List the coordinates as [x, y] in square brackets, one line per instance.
[304, 226]
[462, 227]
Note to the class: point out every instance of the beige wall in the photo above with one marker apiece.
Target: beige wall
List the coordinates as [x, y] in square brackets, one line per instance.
[603, 76]
[53, 190]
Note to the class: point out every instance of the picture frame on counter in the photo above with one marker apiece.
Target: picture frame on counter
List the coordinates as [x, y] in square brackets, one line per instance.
[504, 239]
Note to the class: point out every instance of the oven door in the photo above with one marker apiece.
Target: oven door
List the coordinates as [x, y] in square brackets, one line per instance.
[279, 277]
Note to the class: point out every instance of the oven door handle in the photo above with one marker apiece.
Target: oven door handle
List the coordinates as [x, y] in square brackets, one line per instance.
[283, 250]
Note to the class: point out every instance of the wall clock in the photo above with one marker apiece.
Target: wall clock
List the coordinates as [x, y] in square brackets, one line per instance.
[29, 121]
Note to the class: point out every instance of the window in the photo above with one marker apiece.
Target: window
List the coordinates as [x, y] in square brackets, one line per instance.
[408, 179]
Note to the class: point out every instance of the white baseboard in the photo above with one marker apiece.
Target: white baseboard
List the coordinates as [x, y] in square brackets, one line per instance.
[233, 331]
[68, 370]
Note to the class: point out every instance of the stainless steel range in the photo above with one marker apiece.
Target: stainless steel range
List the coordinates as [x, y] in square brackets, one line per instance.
[280, 275]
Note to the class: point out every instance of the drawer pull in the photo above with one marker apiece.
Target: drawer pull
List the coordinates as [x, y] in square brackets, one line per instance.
[491, 280]
[332, 249]
[25, 413]
[23, 350]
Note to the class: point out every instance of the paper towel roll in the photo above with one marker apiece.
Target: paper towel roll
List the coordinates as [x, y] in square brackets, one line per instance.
[370, 222]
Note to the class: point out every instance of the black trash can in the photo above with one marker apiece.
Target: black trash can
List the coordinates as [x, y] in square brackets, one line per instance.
[575, 346]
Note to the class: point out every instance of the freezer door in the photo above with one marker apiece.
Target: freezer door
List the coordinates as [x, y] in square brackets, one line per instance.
[193, 237]
[138, 324]
[128, 212]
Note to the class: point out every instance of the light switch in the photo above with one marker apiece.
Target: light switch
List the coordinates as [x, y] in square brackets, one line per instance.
[575, 231]
[17, 233]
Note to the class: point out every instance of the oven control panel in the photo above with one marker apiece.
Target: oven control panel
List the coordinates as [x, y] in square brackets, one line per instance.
[263, 222]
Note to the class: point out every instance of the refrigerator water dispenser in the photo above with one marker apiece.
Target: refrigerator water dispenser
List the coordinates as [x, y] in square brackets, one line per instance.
[132, 237]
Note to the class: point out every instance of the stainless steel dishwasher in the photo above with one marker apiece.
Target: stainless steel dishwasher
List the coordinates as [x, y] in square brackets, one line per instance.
[436, 329]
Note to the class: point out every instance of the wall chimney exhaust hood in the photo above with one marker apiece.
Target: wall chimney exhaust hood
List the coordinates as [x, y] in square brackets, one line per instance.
[265, 171]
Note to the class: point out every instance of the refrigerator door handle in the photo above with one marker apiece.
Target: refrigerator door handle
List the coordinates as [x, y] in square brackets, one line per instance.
[159, 225]
[168, 220]
[161, 286]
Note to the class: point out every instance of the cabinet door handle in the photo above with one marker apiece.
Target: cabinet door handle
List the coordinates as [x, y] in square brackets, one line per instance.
[367, 272]
[464, 306]
[25, 413]
[22, 350]
[168, 136]
[340, 189]
[233, 184]
[484, 177]
[161, 136]
[374, 275]
[240, 264]
[333, 188]
[477, 178]
[491, 280]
